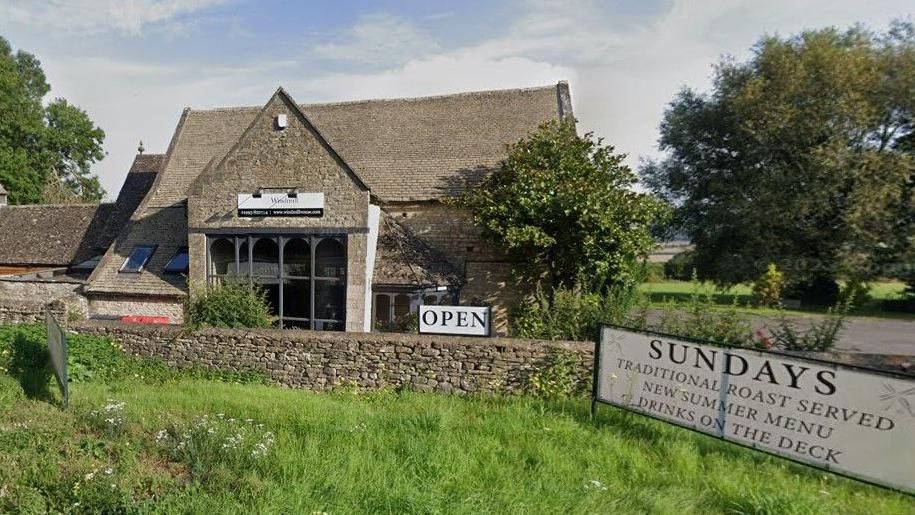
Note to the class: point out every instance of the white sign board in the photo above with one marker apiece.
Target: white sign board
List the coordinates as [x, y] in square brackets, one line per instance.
[844, 419]
[458, 320]
[280, 204]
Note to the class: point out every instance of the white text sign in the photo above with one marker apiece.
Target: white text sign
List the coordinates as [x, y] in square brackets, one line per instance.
[460, 320]
[844, 419]
[281, 204]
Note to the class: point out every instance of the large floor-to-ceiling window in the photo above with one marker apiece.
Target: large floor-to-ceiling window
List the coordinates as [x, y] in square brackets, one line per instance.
[304, 276]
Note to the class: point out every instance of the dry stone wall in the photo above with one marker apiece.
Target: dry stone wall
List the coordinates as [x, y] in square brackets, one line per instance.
[319, 361]
[25, 312]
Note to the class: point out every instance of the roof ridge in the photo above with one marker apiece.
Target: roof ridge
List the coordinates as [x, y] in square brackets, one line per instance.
[459, 94]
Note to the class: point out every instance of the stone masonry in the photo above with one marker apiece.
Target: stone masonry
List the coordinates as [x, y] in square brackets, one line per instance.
[322, 360]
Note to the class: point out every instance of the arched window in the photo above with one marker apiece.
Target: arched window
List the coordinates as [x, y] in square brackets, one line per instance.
[297, 258]
[222, 257]
[330, 258]
[266, 258]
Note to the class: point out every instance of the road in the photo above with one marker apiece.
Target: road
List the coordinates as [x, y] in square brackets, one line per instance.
[864, 335]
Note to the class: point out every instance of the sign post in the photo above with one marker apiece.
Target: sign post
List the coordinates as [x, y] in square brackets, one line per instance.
[848, 420]
[57, 348]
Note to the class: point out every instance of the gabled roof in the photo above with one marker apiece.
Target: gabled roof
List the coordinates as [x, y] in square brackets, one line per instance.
[404, 149]
[63, 235]
[284, 97]
[403, 259]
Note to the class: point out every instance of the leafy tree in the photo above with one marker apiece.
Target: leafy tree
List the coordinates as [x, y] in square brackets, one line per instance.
[793, 158]
[563, 207]
[38, 142]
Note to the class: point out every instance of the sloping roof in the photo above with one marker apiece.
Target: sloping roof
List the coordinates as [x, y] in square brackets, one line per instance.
[402, 259]
[63, 235]
[48, 235]
[404, 149]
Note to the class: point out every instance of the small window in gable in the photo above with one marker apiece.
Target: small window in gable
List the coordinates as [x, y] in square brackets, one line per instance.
[138, 258]
[179, 263]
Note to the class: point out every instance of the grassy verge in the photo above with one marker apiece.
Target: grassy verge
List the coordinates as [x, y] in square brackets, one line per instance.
[660, 292]
[130, 444]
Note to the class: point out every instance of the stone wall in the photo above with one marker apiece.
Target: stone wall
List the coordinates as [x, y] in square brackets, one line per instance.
[107, 306]
[25, 312]
[318, 361]
[35, 290]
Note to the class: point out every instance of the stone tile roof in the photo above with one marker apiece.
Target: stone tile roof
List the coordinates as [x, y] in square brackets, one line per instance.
[48, 235]
[404, 149]
[403, 259]
[63, 235]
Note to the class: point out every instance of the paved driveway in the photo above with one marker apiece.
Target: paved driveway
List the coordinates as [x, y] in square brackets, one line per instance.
[862, 334]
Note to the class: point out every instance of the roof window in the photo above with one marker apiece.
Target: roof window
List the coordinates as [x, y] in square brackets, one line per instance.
[138, 258]
[179, 263]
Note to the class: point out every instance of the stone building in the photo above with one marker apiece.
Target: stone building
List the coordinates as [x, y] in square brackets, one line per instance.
[335, 209]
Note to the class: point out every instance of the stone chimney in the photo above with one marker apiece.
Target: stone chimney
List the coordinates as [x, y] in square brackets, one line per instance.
[3, 196]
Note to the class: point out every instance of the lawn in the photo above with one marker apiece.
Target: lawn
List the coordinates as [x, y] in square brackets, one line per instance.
[662, 291]
[148, 444]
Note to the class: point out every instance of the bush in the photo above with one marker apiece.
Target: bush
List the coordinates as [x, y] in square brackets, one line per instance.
[653, 272]
[558, 377]
[681, 266]
[699, 318]
[767, 290]
[819, 291]
[821, 336]
[231, 305]
[854, 294]
[574, 315]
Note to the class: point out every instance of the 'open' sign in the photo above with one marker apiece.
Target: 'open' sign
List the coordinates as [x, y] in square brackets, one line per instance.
[458, 320]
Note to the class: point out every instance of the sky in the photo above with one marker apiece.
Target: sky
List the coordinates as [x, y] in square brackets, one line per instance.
[133, 65]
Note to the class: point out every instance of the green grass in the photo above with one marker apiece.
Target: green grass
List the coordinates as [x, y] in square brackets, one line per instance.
[381, 452]
[661, 292]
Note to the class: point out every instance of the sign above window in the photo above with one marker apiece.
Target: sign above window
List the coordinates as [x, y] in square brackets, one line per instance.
[280, 204]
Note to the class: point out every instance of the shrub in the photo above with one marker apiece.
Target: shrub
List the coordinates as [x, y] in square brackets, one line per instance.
[230, 304]
[558, 377]
[572, 314]
[767, 290]
[821, 336]
[699, 318]
[681, 266]
[654, 272]
[854, 294]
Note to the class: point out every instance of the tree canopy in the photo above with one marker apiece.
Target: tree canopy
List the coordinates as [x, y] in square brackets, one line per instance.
[563, 207]
[43, 145]
[796, 157]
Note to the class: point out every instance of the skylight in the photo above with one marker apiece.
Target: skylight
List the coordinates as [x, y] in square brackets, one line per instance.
[179, 263]
[138, 258]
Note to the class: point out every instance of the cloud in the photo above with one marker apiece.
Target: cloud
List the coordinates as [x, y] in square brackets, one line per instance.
[623, 70]
[378, 40]
[98, 16]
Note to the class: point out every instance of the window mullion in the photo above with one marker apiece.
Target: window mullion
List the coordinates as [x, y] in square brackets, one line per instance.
[282, 285]
[311, 292]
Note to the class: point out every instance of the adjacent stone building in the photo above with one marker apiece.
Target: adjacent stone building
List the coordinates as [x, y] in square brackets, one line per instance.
[335, 209]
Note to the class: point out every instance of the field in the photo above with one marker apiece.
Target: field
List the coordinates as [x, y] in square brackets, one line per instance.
[147, 441]
[662, 291]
